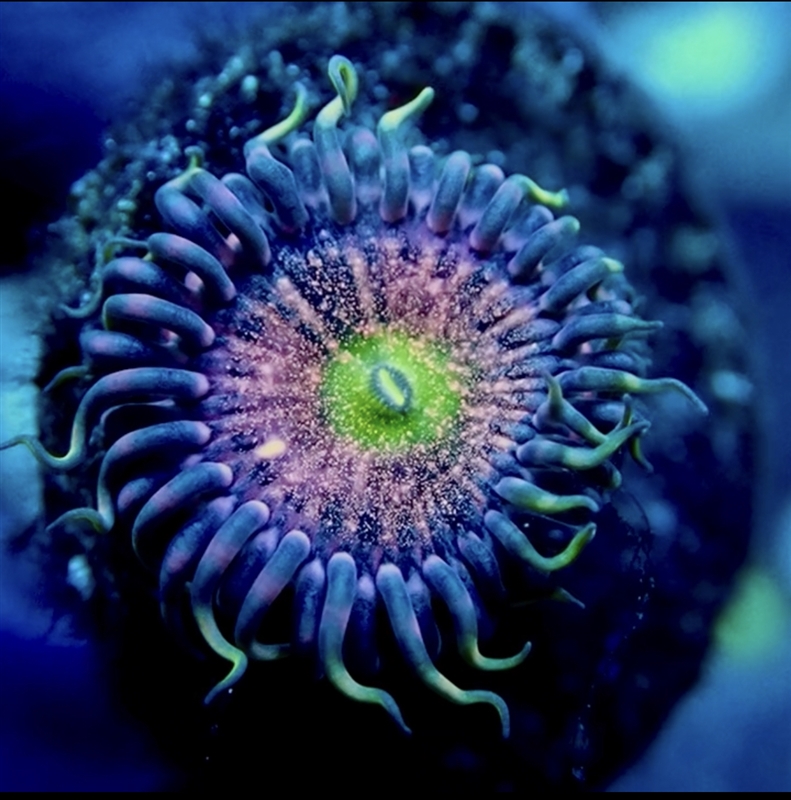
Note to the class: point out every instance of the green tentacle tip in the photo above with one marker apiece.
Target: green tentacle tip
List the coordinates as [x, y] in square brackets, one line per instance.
[561, 595]
[81, 515]
[344, 80]
[581, 539]
[390, 121]
[43, 456]
[632, 383]
[564, 412]
[343, 77]
[67, 374]
[535, 192]
[340, 678]
[475, 658]
[529, 497]
[281, 129]
[237, 670]
[477, 696]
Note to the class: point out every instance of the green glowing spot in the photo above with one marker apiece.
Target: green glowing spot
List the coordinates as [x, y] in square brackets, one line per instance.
[389, 391]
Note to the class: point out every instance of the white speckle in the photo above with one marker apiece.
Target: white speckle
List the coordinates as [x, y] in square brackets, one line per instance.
[80, 576]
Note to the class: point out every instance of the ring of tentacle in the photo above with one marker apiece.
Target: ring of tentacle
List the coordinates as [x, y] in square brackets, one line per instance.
[361, 373]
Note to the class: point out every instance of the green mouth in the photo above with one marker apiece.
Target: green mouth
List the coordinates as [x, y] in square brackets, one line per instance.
[389, 391]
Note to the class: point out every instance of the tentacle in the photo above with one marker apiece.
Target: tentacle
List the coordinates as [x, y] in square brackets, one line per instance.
[304, 159]
[182, 556]
[585, 328]
[421, 177]
[556, 410]
[447, 584]
[518, 233]
[107, 351]
[192, 258]
[131, 274]
[143, 308]
[529, 497]
[598, 379]
[188, 219]
[519, 546]
[486, 234]
[395, 195]
[170, 436]
[176, 495]
[449, 191]
[134, 494]
[575, 282]
[480, 190]
[276, 179]
[231, 213]
[296, 117]
[308, 602]
[392, 587]
[128, 385]
[482, 561]
[68, 374]
[362, 652]
[365, 159]
[420, 598]
[279, 571]
[342, 583]
[539, 244]
[545, 453]
[228, 541]
[334, 167]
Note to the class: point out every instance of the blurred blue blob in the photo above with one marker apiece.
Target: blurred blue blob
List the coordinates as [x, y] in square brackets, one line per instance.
[60, 730]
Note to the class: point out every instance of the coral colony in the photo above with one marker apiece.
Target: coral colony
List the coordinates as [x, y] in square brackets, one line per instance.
[368, 380]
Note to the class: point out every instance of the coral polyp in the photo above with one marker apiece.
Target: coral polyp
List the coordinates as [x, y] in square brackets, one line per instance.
[366, 381]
